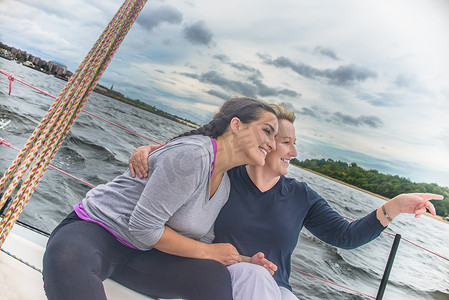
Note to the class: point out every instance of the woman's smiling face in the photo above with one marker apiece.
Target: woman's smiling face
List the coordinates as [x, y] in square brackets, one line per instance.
[277, 161]
[257, 138]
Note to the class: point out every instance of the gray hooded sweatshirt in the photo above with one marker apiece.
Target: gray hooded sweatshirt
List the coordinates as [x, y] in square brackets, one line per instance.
[175, 193]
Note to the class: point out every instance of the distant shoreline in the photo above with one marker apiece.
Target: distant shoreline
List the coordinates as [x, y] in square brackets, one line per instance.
[142, 105]
[439, 218]
[187, 123]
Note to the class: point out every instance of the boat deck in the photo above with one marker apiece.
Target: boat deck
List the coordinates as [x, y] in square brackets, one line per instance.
[22, 282]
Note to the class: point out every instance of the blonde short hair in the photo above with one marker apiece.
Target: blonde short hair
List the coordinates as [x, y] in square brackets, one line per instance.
[283, 113]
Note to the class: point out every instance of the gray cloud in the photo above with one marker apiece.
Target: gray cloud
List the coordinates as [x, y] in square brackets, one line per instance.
[152, 18]
[266, 91]
[219, 94]
[341, 119]
[222, 57]
[348, 73]
[340, 76]
[246, 68]
[238, 66]
[307, 112]
[190, 75]
[198, 34]
[326, 52]
[257, 88]
[231, 85]
[369, 121]
[255, 77]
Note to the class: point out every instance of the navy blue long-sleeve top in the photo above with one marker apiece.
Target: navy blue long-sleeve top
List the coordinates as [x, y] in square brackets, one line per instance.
[270, 222]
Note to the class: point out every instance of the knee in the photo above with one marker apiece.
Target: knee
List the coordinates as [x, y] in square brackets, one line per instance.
[58, 263]
[61, 258]
[213, 272]
[210, 280]
[59, 253]
[250, 281]
[247, 270]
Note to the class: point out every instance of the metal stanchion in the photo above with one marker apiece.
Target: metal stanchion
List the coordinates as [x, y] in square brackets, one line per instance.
[383, 283]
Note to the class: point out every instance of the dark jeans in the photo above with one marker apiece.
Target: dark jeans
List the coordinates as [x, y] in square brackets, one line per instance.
[81, 254]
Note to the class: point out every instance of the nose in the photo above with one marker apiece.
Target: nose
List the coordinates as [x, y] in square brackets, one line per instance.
[271, 143]
[294, 152]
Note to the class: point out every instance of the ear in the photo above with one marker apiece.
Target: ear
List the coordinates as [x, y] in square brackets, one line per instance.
[235, 125]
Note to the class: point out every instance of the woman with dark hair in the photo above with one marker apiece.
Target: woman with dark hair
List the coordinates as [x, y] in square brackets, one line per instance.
[149, 233]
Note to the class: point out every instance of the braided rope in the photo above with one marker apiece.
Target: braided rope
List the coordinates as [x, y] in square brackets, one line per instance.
[21, 260]
[49, 134]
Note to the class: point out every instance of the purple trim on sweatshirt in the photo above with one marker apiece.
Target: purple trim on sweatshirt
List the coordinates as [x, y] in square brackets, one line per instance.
[81, 212]
[214, 145]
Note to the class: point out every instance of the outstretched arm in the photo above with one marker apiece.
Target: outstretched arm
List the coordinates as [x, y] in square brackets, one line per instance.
[414, 203]
[329, 226]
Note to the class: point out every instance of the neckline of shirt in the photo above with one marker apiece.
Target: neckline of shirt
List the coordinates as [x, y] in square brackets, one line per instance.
[254, 186]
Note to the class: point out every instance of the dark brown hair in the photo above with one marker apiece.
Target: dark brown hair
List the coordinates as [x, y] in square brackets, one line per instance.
[246, 109]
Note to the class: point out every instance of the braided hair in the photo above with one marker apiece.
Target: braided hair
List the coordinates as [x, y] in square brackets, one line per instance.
[246, 109]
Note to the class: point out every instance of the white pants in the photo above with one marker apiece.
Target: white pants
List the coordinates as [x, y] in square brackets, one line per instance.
[254, 282]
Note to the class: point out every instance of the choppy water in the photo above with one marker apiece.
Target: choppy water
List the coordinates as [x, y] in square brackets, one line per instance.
[96, 152]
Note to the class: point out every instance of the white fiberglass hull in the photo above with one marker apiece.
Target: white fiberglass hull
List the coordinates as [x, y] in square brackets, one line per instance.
[21, 282]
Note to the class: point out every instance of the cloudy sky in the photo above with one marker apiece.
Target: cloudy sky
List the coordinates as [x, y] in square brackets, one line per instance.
[368, 80]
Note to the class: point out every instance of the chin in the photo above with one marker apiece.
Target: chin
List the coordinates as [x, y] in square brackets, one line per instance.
[261, 163]
[283, 172]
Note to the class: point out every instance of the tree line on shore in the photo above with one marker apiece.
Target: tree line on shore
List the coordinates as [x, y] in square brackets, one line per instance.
[142, 105]
[373, 181]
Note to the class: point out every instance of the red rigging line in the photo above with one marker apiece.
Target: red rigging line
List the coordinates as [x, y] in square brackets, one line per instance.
[4, 142]
[410, 242]
[7, 144]
[12, 78]
[325, 280]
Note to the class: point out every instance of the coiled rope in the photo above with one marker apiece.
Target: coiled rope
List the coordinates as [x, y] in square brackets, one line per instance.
[49, 134]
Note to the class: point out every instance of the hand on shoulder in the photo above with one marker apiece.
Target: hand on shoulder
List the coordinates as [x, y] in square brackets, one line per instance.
[138, 162]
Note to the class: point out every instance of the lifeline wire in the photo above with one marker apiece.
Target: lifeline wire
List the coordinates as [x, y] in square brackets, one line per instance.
[12, 78]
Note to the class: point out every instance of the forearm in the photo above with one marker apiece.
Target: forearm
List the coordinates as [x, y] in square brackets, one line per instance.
[174, 243]
[411, 203]
[392, 209]
[332, 228]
